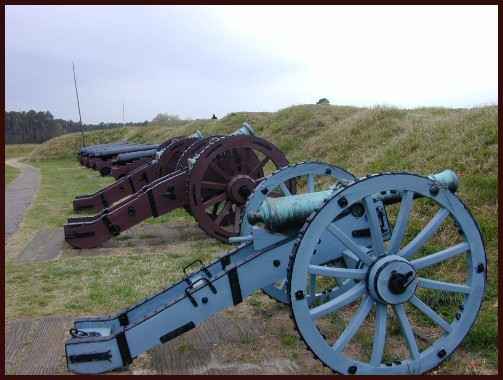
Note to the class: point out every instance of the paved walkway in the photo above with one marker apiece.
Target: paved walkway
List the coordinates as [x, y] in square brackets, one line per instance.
[19, 194]
[36, 347]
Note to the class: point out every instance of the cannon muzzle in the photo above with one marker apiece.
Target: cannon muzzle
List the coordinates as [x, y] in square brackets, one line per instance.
[246, 129]
[196, 135]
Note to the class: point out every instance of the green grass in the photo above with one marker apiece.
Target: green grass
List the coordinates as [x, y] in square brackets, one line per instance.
[10, 173]
[362, 140]
[86, 285]
[19, 150]
[62, 180]
[75, 285]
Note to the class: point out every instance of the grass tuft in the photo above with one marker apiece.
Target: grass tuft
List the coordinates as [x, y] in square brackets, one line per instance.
[10, 173]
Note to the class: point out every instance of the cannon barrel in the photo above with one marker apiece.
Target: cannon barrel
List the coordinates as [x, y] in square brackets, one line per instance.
[98, 146]
[246, 129]
[445, 178]
[95, 148]
[112, 151]
[126, 157]
[285, 212]
[94, 151]
[196, 135]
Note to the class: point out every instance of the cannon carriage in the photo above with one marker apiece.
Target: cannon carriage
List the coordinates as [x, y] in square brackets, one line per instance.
[340, 251]
[164, 163]
[211, 178]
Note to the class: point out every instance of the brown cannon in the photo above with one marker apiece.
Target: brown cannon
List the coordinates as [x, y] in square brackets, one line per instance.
[125, 163]
[212, 181]
[139, 177]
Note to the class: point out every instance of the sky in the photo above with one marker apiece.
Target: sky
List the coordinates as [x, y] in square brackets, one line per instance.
[195, 61]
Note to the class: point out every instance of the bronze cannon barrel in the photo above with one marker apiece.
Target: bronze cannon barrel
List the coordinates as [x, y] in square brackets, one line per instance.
[285, 212]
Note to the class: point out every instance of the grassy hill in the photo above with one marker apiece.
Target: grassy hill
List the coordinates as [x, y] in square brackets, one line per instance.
[361, 140]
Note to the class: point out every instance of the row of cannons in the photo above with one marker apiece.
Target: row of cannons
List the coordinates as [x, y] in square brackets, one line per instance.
[383, 274]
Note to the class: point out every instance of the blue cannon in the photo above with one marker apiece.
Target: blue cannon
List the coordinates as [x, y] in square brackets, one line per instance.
[355, 259]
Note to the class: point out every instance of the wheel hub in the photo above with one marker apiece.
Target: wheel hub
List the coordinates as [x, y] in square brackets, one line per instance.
[392, 279]
[239, 188]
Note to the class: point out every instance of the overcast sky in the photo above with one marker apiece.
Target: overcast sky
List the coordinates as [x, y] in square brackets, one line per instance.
[195, 61]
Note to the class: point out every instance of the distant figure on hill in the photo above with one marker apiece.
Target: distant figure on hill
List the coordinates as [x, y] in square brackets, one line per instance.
[214, 117]
[323, 101]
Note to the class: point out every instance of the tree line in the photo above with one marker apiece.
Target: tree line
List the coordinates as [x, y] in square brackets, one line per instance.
[33, 127]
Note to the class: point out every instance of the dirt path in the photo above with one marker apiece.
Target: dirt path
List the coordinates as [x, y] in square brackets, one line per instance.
[19, 194]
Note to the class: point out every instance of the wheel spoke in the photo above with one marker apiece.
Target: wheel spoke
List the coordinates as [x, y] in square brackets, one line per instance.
[223, 213]
[312, 285]
[407, 331]
[237, 219]
[218, 198]
[375, 226]
[213, 185]
[379, 334]
[440, 256]
[331, 294]
[259, 166]
[358, 274]
[443, 286]
[349, 243]
[344, 299]
[350, 255]
[402, 222]
[284, 189]
[354, 325]
[219, 171]
[430, 313]
[426, 233]
[310, 183]
[215, 209]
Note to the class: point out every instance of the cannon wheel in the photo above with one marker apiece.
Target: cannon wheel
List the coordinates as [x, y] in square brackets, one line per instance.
[281, 181]
[223, 175]
[173, 152]
[393, 295]
[192, 150]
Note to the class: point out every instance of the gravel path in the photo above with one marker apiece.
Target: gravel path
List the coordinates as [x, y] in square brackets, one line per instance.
[19, 194]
